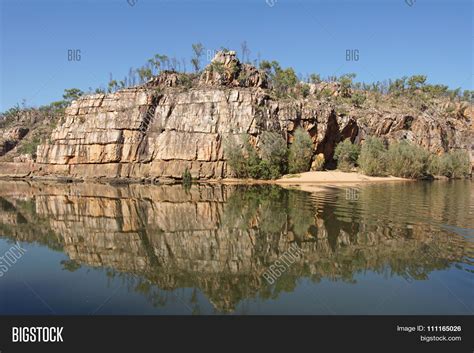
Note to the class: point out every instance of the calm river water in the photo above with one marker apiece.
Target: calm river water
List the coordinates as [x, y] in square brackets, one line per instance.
[392, 248]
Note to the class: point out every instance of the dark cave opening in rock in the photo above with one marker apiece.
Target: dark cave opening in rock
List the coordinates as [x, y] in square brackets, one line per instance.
[407, 122]
[333, 136]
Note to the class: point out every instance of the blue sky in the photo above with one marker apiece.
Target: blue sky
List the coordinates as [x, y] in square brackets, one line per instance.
[393, 39]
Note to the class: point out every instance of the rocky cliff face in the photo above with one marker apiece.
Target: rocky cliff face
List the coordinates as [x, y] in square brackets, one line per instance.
[159, 129]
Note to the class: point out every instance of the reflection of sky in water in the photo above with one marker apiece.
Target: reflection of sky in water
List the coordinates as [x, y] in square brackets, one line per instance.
[465, 232]
[152, 250]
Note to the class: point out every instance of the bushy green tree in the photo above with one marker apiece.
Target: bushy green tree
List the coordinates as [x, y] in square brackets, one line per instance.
[358, 99]
[346, 84]
[346, 154]
[283, 80]
[314, 78]
[235, 157]
[274, 150]
[373, 157]
[246, 162]
[454, 164]
[468, 95]
[301, 152]
[397, 86]
[71, 94]
[144, 73]
[407, 160]
[416, 82]
[436, 90]
[461, 164]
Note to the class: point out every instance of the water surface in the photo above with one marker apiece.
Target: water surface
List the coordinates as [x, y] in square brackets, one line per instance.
[395, 248]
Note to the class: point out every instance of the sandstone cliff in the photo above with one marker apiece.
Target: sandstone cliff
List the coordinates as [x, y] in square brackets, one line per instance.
[159, 129]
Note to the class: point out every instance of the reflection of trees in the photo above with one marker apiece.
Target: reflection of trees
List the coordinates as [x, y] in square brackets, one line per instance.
[220, 239]
[70, 265]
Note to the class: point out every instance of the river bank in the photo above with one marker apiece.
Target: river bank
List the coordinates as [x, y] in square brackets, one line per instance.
[32, 172]
[316, 181]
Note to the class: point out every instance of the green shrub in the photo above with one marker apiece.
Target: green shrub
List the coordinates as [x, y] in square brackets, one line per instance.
[235, 157]
[314, 78]
[186, 80]
[454, 164]
[346, 154]
[303, 90]
[407, 161]
[416, 81]
[261, 169]
[300, 153]
[434, 165]
[346, 84]
[282, 80]
[246, 162]
[71, 94]
[253, 166]
[274, 150]
[29, 147]
[373, 157]
[358, 99]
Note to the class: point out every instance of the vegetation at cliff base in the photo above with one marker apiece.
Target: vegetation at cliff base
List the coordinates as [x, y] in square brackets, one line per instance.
[272, 159]
[373, 157]
[300, 152]
[268, 163]
[454, 164]
[346, 155]
[275, 152]
[407, 160]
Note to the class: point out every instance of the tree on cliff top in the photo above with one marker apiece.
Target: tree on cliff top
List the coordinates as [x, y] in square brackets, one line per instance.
[198, 49]
[71, 94]
[282, 79]
[346, 84]
[416, 82]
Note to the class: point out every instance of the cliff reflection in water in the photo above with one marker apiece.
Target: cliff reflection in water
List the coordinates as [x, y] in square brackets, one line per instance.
[220, 239]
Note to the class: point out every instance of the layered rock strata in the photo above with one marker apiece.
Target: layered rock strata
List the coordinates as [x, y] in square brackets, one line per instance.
[162, 128]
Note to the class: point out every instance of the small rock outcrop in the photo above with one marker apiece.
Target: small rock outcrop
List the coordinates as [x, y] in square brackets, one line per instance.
[10, 138]
[226, 70]
[166, 78]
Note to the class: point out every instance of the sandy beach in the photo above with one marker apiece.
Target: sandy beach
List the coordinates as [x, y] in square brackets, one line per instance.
[332, 177]
[316, 181]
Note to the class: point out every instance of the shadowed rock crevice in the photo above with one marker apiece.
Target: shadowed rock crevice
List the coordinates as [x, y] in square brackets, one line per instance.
[331, 138]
